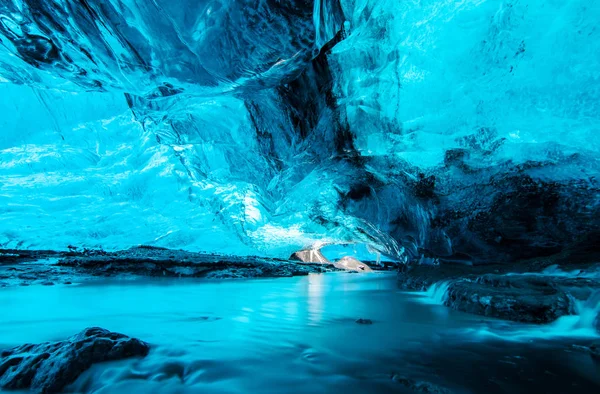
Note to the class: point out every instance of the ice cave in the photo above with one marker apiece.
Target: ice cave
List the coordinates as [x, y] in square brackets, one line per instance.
[296, 196]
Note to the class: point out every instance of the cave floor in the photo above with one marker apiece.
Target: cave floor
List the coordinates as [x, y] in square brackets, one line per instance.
[299, 335]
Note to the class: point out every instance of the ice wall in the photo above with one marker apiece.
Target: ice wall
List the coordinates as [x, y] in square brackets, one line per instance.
[491, 108]
[457, 130]
[127, 123]
[507, 80]
[79, 170]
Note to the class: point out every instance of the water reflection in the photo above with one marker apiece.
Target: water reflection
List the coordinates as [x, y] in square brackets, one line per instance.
[315, 298]
[292, 335]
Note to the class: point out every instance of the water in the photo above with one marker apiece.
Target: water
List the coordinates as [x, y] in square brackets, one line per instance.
[294, 335]
[437, 293]
[582, 324]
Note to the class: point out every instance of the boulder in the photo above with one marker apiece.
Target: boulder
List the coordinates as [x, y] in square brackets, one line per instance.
[530, 297]
[517, 300]
[48, 367]
[351, 264]
[309, 256]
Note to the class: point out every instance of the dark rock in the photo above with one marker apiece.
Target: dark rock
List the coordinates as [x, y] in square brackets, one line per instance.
[419, 386]
[159, 262]
[516, 216]
[495, 291]
[9, 256]
[27, 276]
[84, 265]
[521, 301]
[425, 186]
[364, 321]
[203, 319]
[593, 350]
[420, 277]
[49, 367]
[457, 258]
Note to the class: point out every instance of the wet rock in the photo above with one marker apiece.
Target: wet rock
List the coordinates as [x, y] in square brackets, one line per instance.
[78, 266]
[421, 277]
[419, 386]
[159, 262]
[593, 350]
[364, 321]
[49, 367]
[9, 256]
[27, 276]
[495, 291]
[522, 303]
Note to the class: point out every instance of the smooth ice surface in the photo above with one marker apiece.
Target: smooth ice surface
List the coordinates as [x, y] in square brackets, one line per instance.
[421, 77]
[178, 124]
[295, 335]
[79, 169]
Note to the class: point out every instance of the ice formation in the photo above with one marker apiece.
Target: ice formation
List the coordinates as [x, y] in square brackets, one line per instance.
[461, 130]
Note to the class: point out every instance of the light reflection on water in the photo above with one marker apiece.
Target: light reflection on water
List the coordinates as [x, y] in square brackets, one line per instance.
[294, 335]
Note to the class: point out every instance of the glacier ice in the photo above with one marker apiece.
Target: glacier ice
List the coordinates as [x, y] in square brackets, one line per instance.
[460, 130]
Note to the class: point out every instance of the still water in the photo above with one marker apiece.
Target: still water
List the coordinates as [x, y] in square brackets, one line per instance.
[298, 335]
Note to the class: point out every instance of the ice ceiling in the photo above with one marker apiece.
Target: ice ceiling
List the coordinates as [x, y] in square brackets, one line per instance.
[459, 130]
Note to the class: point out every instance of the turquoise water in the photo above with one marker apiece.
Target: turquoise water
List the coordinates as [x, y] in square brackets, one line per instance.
[295, 335]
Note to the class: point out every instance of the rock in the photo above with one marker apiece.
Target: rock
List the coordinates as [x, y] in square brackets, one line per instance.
[515, 216]
[364, 321]
[310, 256]
[74, 267]
[517, 301]
[267, 270]
[351, 264]
[48, 367]
[418, 386]
[495, 291]
[593, 350]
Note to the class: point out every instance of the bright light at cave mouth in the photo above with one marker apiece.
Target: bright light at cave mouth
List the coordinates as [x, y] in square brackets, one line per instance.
[446, 149]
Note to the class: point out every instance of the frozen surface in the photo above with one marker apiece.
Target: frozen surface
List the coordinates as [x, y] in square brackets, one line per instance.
[440, 127]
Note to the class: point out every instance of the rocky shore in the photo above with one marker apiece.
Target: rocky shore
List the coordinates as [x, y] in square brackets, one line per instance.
[529, 292]
[28, 267]
[533, 291]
